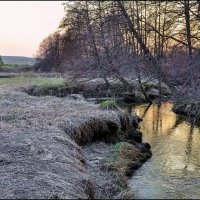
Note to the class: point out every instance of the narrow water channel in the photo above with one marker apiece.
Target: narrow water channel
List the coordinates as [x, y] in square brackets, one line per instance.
[174, 169]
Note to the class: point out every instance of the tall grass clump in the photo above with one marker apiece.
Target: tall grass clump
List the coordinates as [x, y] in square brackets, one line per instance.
[116, 150]
[109, 105]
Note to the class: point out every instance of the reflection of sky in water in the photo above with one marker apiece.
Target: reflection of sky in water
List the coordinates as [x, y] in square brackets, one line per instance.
[174, 169]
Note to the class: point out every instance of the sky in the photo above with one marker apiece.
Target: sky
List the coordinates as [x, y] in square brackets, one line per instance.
[24, 24]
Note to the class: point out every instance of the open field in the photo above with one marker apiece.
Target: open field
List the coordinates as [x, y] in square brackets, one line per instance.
[26, 79]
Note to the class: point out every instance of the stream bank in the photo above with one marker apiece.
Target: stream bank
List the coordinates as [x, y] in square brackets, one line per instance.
[97, 89]
[61, 148]
[188, 109]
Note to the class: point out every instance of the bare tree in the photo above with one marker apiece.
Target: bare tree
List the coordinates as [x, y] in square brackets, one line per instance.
[160, 74]
[187, 21]
[50, 52]
[127, 40]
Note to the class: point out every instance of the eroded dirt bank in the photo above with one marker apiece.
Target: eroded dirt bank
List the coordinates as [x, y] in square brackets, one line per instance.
[59, 148]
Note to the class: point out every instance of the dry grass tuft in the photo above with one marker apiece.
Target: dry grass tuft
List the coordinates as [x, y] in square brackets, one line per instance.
[125, 159]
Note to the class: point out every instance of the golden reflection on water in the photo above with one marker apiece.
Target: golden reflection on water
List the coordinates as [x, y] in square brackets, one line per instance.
[175, 165]
[157, 120]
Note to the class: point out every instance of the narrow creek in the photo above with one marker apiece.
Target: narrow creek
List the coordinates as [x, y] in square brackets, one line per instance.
[174, 169]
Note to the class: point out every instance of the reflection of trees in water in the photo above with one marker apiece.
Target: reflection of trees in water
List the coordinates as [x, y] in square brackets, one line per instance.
[146, 110]
[188, 150]
[176, 146]
[158, 119]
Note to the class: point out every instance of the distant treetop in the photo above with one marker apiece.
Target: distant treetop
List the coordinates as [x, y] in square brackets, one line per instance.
[1, 61]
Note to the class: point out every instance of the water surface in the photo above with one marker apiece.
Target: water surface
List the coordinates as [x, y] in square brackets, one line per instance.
[174, 169]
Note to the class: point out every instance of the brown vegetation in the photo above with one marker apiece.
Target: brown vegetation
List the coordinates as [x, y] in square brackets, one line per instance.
[41, 156]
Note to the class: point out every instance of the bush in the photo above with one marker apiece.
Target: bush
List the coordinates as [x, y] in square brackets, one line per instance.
[109, 105]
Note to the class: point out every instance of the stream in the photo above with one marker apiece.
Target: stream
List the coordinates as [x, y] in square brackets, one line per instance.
[173, 172]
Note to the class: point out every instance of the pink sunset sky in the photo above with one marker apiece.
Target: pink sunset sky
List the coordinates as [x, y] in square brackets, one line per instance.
[24, 24]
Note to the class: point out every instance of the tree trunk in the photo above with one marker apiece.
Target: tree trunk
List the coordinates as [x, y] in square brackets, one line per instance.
[160, 74]
[95, 48]
[143, 90]
[155, 35]
[187, 23]
[163, 30]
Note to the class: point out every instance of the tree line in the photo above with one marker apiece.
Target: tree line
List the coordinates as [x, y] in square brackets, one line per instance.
[137, 39]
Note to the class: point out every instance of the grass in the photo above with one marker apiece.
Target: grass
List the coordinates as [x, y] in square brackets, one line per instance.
[18, 81]
[109, 105]
[8, 65]
[44, 82]
[5, 65]
[125, 158]
[26, 79]
[58, 126]
[116, 150]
